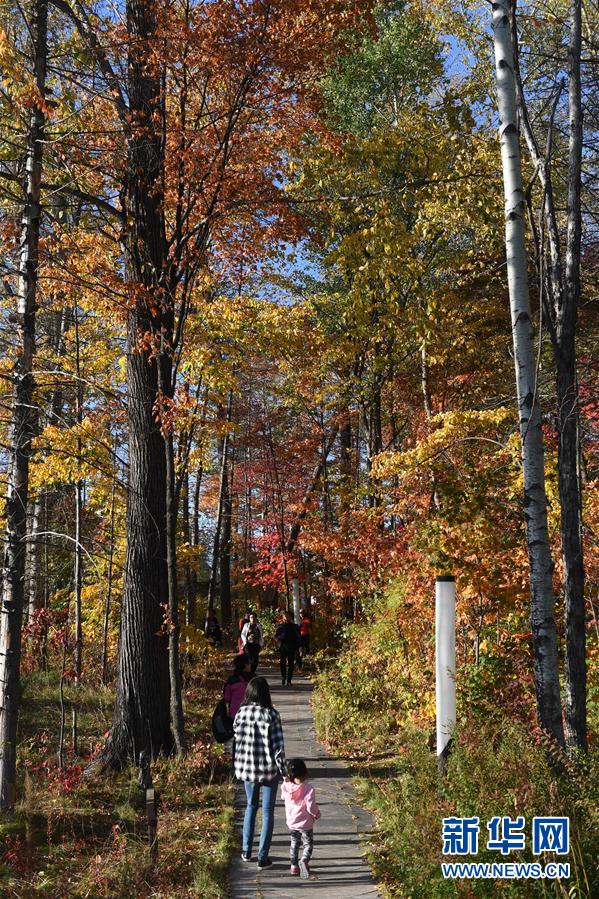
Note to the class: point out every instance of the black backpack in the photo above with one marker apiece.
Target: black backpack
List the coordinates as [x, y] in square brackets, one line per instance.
[222, 723]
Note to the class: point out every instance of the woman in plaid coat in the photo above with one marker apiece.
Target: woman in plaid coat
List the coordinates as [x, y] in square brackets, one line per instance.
[259, 763]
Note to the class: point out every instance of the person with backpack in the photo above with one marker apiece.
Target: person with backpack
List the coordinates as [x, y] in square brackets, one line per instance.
[287, 638]
[252, 640]
[259, 763]
[235, 686]
[228, 705]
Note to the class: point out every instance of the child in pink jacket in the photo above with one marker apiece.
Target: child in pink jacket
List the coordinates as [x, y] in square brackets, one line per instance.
[301, 811]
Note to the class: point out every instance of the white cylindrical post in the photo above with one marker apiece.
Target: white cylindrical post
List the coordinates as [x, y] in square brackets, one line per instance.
[445, 663]
[296, 600]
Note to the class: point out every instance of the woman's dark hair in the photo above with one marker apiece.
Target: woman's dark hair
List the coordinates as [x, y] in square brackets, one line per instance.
[296, 769]
[240, 661]
[258, 692]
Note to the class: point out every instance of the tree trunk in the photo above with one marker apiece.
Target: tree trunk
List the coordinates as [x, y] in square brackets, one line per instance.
[33, 591]
[562, 285]
[544, 633]
[375, 438]
[219, 513]
[141, 715]
[567, 407]
[166, 392]
[189, 580]
[426, 399]
[46, 585]
[195, 532]
[77, 585]
[225, 547]
[22, 423]
[78, 560]
[296, 527]
[109, 575]
[53, 412]
[176, 704]
[345, 446]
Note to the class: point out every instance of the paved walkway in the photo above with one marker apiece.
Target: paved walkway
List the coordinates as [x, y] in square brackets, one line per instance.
[338, 868]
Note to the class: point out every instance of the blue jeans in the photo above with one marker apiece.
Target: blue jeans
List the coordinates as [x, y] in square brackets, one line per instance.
[269, 797]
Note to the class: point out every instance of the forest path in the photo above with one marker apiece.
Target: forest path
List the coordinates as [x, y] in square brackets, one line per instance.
[338, 867]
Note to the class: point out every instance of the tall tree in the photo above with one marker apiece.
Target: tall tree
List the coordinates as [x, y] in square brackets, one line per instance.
[191, 133]
[544, 633]
[22, 418]
[141, 716]
[560, 249]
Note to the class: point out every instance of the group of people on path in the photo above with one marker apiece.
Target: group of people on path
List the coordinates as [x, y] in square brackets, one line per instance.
[259, 752]
[292, 640]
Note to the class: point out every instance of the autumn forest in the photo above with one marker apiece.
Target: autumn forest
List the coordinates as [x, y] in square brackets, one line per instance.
[295, 292]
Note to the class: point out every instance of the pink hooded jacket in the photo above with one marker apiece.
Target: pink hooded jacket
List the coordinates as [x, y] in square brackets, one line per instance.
[300, 805]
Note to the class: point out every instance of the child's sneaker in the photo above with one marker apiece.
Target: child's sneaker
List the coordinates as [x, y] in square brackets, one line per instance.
[294, 869]
[304, 868]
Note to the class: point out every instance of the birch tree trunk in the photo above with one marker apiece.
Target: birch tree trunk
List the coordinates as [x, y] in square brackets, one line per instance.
[544, 633]
[32, 561]
[22, 424]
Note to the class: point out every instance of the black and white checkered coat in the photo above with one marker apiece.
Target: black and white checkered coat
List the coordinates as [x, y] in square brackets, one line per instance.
[259, 746]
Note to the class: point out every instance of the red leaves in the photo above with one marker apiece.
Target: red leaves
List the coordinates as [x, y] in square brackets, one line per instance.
[57, 780]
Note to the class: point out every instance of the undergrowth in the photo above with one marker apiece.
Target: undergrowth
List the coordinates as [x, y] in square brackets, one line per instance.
[80, 837]
[372, 711]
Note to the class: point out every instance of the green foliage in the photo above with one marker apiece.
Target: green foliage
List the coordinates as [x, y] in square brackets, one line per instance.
[268, 620]
[397, 67]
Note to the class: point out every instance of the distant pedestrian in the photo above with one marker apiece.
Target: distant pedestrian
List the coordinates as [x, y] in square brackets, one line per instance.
[252, 640]
[298, 650]
[259, 763]
[213, 630]
[241, 624]
[305, 631]
[301, 811]
[235, 686]
[287, 639]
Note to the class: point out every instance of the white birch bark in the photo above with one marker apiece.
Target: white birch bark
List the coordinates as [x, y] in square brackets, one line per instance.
[543, 627]
[22, 424]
